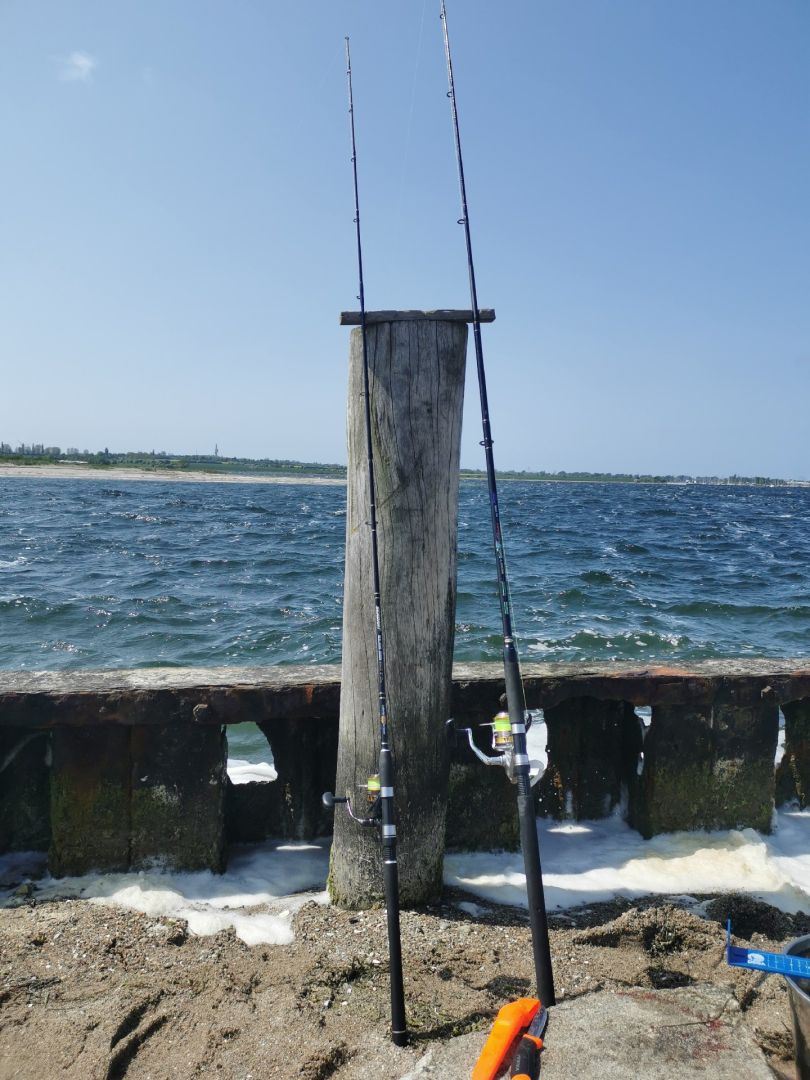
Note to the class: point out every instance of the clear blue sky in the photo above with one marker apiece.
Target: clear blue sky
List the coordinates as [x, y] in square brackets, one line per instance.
[177, 236]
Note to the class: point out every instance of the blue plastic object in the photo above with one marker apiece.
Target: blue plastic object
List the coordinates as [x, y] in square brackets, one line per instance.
[773, 963]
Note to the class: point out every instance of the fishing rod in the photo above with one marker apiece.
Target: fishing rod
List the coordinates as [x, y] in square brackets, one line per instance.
[380, 812]
[517, 760]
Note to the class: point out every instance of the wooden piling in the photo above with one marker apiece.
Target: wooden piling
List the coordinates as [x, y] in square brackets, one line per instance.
[416, 371]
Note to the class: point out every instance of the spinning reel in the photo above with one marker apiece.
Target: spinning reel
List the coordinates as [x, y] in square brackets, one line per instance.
[373, 804]
[503, 745]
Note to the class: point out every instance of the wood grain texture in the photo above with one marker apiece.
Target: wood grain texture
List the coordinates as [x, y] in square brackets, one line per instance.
[353, 318]
[417, 386]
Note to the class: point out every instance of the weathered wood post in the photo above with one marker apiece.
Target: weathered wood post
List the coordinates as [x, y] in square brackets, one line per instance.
[416, 370]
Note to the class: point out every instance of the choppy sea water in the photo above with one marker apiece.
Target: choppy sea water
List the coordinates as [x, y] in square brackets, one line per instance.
[101, 574]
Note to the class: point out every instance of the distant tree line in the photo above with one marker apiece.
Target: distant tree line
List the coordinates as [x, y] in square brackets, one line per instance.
[630, 478]
[38, 453]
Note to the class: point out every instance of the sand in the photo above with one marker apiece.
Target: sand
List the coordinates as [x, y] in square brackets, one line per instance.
[115, 473]
[95, 992]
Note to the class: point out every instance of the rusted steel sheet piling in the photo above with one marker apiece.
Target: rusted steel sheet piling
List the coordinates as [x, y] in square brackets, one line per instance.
[25, 812]
[177, 797]
[793, 774]
[708, 767]
[72, 743]
[123, 798]
[593, 751]
[91, 814]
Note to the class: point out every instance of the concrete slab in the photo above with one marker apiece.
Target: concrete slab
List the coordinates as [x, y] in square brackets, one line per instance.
[691, 1032]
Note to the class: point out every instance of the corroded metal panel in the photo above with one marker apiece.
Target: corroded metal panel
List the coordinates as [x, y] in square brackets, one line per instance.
[593, 748]
[90, 800]
[793, 774]
[708, 768]
[177, 803]
[25, 819]
[300, 692]
[138, 759]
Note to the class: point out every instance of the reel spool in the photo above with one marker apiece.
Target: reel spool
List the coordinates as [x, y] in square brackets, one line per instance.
[503, 745]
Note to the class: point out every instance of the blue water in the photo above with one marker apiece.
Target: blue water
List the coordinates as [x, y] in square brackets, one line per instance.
[102, 574]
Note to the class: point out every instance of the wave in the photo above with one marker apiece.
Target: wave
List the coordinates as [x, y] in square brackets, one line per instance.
[567, 595]
[627, 547]
[203, 562]
[605, 577]
[713, 609]
[150, 519]
[624, 644]
[605, 572]
[35, 608]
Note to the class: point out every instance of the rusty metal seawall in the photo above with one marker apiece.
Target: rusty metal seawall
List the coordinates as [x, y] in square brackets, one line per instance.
[115, 769]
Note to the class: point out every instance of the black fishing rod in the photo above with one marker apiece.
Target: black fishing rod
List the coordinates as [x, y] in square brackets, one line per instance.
[381, 789]
[515, 697]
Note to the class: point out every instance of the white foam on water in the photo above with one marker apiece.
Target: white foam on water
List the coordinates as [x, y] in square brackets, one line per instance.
[591, 861]
[780, 740]
[250, 772]
[583, 862]
[470, 908]
[790, 847]
[9, 564]
[262, 889]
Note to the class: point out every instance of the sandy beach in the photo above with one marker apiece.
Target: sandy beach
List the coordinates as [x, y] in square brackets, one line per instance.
[85, 472]
[101, 992]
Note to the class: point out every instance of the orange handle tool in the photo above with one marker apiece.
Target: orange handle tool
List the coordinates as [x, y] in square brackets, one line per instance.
[509, 1022]
[526, 1065]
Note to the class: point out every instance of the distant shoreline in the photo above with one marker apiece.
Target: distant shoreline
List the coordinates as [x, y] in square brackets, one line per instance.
[198, 476]
[114, 472]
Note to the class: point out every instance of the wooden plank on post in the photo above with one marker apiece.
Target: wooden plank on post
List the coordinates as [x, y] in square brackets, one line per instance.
[354, 318]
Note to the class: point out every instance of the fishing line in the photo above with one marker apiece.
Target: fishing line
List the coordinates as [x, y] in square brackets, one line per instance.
[519, 719]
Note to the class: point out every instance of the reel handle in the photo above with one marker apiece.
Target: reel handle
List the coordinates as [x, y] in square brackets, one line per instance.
[329, 800]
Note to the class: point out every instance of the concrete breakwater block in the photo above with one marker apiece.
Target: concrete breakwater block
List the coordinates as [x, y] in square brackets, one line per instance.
[690, 1032]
